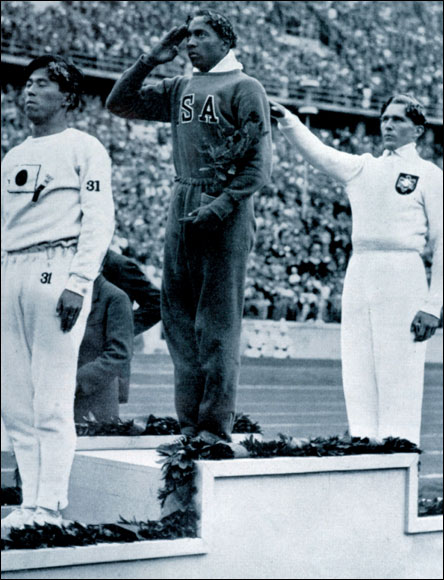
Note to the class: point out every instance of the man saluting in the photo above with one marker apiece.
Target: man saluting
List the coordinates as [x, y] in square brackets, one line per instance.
[210, 229]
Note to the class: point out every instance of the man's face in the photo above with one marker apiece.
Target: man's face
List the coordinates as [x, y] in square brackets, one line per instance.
[204, 45]
[397, 129]
[43, 97]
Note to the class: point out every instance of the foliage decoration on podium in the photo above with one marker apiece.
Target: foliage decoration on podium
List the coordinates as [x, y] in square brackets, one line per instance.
[91, 427]
[179, 470]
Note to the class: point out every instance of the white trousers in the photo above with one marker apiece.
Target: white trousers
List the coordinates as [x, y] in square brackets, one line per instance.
[382, 366]
[39, 365]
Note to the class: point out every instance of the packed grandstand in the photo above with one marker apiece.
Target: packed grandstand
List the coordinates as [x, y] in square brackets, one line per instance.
[358, 52]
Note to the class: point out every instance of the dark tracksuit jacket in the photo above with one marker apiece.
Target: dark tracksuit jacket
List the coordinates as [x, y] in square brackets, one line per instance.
[204, 269]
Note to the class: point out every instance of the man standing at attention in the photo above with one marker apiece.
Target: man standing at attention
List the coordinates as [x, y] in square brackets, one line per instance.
[57, 222]
[210, 229]
[388, 310]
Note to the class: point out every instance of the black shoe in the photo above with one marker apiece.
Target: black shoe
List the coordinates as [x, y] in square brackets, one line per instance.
[188, 432]
[210, 438]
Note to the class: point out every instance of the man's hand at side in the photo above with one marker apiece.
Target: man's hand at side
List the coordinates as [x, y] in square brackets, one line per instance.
[424, 326]
[68, 308]
[203, 216]
[168, 47]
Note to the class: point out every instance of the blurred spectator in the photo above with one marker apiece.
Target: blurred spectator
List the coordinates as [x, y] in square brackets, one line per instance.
[129, 277]
[126, 275]
[105, 353]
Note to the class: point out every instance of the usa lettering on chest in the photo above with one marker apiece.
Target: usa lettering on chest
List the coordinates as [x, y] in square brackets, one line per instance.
[207, 113]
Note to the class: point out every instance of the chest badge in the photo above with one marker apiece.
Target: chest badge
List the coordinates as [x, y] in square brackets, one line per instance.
[406, 183]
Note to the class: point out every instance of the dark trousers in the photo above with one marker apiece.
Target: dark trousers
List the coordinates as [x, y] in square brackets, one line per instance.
[202, 307]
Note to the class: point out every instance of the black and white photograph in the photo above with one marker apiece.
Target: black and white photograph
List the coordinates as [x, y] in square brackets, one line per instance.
[222, 289]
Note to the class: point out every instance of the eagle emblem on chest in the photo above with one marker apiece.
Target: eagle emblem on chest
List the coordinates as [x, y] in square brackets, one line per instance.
[406, 183]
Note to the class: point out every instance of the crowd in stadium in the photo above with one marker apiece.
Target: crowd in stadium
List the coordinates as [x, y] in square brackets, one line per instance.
[362, 47]
[303, 237]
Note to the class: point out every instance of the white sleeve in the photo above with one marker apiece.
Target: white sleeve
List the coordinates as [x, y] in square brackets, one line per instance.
[4, 185]
[97, 225]
[339, 165]
[433, 206]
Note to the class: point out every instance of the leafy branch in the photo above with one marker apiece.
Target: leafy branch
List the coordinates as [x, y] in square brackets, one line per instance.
[179, 467]
[233, 148]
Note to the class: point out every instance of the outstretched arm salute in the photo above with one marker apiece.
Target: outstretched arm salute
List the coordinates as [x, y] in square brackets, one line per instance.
[339, 165]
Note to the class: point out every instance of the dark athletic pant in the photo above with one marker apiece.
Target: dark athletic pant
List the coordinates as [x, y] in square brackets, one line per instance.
[202, 306]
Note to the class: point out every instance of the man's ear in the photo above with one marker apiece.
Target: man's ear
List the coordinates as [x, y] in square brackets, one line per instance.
[68, 101]
[419, 131]
[227, 45]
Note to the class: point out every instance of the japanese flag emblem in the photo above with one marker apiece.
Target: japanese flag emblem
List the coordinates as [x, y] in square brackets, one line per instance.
[406, 183]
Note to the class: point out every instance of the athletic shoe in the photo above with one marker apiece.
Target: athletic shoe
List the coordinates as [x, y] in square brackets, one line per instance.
[43, 516]
[240, 452]
[188, 432]
[18, 518]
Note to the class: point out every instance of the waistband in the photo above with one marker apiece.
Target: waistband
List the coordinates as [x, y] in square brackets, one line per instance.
[384, 246]
[194, 180]
[65, 243]
[207, 184]
[361, 251]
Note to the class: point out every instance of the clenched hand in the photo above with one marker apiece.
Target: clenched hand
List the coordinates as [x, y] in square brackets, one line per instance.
[424, 326]
[68, 308]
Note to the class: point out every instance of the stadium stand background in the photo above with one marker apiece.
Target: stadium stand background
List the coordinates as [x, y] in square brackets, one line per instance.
[357, 54]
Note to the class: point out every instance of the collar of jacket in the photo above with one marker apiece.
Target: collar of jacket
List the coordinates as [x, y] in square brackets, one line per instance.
[227, 64]
[407, 151]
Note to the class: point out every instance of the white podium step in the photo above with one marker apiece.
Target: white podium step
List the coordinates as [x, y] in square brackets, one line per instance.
[279, 518]
[107, 484]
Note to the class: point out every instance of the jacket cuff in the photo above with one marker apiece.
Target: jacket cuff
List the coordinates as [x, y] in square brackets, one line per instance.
[146, 61]
[432, 308]
[79, 285]
[289, 121]
[222, 206]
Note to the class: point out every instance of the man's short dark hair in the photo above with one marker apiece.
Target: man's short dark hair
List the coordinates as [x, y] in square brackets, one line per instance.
[65, 74]
[219, 23]
[413, 108]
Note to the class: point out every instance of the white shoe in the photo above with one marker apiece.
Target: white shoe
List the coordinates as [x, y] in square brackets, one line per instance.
[18, 518]
[43, 516]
